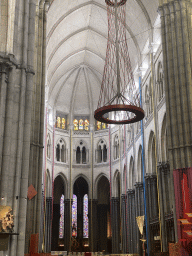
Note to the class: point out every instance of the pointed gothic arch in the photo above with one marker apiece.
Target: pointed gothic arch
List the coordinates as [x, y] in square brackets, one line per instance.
[151, 153]
[131, 173]
[164, 153]
[139, 165]
[116, 184]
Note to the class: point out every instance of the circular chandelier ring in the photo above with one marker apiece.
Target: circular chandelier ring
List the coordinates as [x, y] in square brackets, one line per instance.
[139, 113]
[110, 3]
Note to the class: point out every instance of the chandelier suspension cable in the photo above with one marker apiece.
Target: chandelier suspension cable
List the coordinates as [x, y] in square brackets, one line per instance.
[117, 51]
[118, 101]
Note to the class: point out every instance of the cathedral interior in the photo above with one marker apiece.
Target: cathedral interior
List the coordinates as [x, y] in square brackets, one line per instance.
[70, 183]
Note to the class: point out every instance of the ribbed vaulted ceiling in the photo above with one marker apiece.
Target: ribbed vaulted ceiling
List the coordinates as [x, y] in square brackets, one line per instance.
[76, 48]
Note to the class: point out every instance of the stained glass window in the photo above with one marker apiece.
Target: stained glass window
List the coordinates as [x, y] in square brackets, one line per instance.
[61, 224]
[74, 216]
[63, 123]
[75, 123]
[86, 125]
[58, 122]
[103, 126]
[81, 124]
[98, 125]
[85, 217]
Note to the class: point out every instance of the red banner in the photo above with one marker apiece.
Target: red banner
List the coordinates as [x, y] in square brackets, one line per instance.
[34, 242]
[183, 203]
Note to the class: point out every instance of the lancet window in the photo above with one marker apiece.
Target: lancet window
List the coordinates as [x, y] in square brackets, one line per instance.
[85, 217]
[101, 154]
[61, 121]
[61, 151]
[81, 154]
[74, 216]
[81, 124]
[61, 224]
[101, 126]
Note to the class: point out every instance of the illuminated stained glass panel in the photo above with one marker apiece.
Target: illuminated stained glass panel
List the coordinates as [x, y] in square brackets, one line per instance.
[85, 217]
[74, 214]
[86, 125]
[75, 123]
[61, 224]
[63, 123]
[81, 124]
[58, 122]
[98, 125]
[103, 126]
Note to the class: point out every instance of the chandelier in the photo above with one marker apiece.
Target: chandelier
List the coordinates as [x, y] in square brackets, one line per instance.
[118, 101]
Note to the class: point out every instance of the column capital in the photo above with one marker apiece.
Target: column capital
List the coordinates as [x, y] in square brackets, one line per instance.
[115, 199]
[8, 60]
[163, 167]
[153, 176]
[68, 201]
[124, 197]
[147, 176]
[130, 191]
[138, 184]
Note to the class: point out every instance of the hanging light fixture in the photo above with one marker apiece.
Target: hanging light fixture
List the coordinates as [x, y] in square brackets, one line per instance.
[119, 101]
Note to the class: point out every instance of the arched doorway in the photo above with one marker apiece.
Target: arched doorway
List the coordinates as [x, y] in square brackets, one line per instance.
[103, 215]
[80, 222]
[58, 215]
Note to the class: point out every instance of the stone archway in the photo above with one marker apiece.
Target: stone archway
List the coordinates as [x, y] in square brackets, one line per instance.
[57, 193]
[80, 189]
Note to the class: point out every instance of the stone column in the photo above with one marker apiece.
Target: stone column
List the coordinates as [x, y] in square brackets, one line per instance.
[7, 173]
[80, 218]
[55, 227]
[124, 223]
[134, 229]
[166, 186]
[102, 210]
[48, 224]
[129, 233]
[67, 224]
[163, 171]
[4, 69]
[142, 200]
[93, 225]
[154, 196]
[115, 224]
[176, 27]
[148, 207]
[131, 221]
[139, 205]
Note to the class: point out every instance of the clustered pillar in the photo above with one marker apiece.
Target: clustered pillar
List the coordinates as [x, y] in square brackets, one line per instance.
[139, 201]
[48, 217]
[22, 120]
[131, 217]
[67, 224]
[115, 224]
[176, 27]
[93, 224]
[124, 223]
